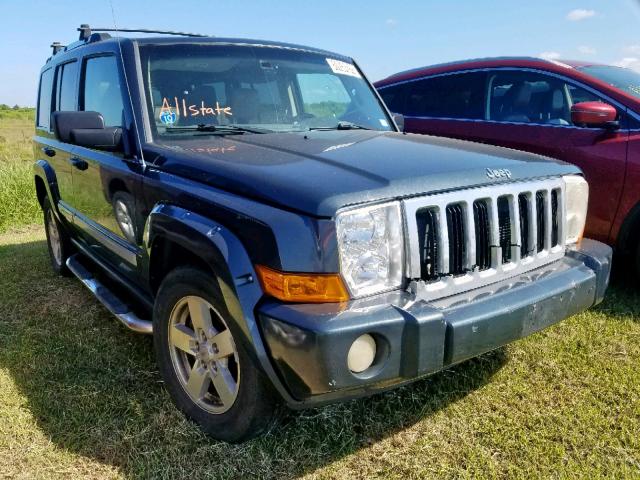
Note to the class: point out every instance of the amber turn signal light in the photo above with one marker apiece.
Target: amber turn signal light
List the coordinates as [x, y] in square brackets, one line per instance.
[302, 287]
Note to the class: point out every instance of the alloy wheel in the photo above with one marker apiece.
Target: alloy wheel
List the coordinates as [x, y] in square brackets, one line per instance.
[54, 238]
[203, 354]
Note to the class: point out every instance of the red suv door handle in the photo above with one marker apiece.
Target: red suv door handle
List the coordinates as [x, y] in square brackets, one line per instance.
[79, 163]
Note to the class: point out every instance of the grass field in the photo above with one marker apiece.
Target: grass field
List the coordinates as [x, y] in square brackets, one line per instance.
[18, 205]
[80, 397]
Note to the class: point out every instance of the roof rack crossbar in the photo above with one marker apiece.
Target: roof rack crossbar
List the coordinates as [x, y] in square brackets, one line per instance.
[142, 30]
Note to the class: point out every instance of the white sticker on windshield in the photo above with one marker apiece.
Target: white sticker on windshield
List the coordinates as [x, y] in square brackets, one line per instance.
[383, 122]
[343, 68]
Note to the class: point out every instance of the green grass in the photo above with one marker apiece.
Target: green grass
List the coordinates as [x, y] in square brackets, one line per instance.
[81, 397]
[18, 205]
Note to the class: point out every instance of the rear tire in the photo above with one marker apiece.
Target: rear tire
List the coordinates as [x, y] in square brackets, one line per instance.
[124, 210]
[58, 242]
[204, 362]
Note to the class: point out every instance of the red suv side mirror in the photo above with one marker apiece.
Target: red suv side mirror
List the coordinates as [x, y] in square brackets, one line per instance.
[594, 114]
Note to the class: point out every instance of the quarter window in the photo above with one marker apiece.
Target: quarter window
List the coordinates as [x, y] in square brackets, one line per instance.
[44, 100]
[577, 95]
[448, 96]
[101, 90]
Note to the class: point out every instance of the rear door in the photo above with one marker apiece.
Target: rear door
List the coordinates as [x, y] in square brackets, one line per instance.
[48, 148]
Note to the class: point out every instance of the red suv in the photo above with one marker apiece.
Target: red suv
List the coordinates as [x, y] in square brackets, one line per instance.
[582, 113]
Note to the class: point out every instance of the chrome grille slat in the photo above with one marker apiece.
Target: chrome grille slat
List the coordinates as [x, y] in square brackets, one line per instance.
[472, 216]
[533, 228]
[470, 232]
[496, 251]
[547, 224]
[443, 236]
[515, 229]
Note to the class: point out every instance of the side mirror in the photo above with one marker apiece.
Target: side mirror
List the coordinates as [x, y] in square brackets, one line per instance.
[594, 114]
[86, 129]
[398, 118]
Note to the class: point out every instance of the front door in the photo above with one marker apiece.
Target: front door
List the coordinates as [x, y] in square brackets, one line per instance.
[105, 183]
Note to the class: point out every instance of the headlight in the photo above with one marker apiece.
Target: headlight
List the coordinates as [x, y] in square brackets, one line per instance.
[577, 198]
[371, 245]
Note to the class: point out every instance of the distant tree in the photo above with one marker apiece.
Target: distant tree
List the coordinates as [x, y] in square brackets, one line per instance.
[16, 107]
[4, 106]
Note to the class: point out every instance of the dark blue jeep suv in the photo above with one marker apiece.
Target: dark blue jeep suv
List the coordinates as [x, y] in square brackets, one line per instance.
[254, 206]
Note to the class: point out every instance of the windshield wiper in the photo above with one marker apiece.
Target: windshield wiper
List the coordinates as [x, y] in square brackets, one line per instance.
[342, 126]
[222, 129]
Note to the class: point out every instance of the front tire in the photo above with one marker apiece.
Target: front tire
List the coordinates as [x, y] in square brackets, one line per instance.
[204, 362]
[58, 242]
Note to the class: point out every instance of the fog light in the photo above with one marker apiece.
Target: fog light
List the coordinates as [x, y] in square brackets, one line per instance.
[362, 353]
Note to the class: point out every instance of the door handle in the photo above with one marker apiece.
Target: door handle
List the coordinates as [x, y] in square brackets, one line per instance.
[79, 163]
[48, 151]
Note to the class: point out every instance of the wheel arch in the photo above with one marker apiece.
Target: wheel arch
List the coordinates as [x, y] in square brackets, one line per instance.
[45, 183]
[174, 235]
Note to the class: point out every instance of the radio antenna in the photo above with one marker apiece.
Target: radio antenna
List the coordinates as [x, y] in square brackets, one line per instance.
[126, 82]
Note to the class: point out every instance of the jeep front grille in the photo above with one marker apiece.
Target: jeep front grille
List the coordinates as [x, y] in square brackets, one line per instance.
[464, 239]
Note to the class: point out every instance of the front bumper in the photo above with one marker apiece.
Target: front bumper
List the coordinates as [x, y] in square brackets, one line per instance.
[308, 343]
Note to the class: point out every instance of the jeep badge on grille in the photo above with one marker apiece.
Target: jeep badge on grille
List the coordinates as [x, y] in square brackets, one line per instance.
[495, 174]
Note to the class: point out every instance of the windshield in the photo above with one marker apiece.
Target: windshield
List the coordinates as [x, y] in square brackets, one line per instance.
[618, 77]
[196, 89]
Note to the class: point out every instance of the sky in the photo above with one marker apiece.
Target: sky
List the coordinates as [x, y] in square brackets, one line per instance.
[384, 37]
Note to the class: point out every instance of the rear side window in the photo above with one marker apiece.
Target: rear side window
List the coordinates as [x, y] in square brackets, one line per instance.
[67, 82]
[44, 100]
[579, 95]
[394, 97]
[101, 89]
[449, 96]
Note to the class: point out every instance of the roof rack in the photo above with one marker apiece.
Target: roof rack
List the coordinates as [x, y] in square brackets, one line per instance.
[57, 46]
[86, 31]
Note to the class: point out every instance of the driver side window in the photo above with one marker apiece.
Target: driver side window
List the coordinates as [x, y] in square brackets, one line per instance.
[101, 89]
[530, 97]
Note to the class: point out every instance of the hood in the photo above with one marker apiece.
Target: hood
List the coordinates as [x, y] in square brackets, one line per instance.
[319, 172]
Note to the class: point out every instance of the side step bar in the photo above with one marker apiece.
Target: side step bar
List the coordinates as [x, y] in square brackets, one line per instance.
[108, 298]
